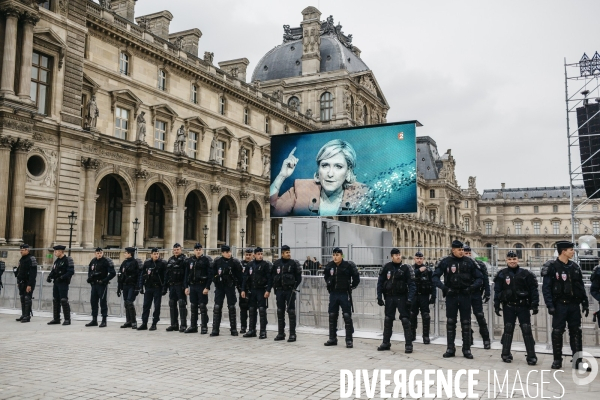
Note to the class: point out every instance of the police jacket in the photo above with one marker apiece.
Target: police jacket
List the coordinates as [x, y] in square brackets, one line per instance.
[62, 270]
[26, 272]
[258, 276]
[153, 274]
[595, 279]
[563, 283]
[460, 274]
[516, 287]
[485, 284]
[199, 271]
[341, 278]
[396, 280]
[423, 280]
[101, 271]
[287, 274]
[129, 272]
[176, 267]
[227, 272]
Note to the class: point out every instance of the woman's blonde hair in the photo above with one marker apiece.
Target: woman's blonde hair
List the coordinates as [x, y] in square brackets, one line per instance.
[332, 148]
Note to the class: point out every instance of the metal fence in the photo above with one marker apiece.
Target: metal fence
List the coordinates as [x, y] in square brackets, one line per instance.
[313, 298]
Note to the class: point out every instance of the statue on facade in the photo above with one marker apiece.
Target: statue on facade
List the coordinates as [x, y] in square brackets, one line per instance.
[178, 42]
[179, 146]
[209, 57]
[242, 161]
[266, 166]
[141, 127]
[143, 23]
[214, 155]
[278, 95]
[308, 113]
[472, 182]
[105, 4]
[91, 113]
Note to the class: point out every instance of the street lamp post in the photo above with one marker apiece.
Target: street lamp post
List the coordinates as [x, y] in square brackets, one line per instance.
[72, 220]
[242, 233]
[205, 230]
[136, 226]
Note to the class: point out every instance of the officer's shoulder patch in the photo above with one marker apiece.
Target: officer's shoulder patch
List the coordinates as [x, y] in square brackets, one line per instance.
[411, 271]
[545, 268]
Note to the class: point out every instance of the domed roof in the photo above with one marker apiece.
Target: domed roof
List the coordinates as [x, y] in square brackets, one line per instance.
[285, 60]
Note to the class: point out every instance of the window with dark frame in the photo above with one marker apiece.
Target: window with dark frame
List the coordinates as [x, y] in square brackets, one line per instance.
[124, 63]
[246, 116]
[40, 81]
[162, 80]
[194, 94]
[160, 129]
[121, 123]
[326, 104]
[47, 5]
[192, 144]
[190, 215]
[156, 204]
[222, 105]
[115, 208]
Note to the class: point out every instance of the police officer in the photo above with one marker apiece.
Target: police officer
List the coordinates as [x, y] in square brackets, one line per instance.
[198, 277]
[26, 274]
[287, 275]
[153, 286]
[425, 296]
[478, 299]
[248, 256]
[341, 278]
[227, 277]
[128, 284]
[595, 279]
[176, 268]
[256, 288]
[564, 291]
[396, 283]
[100, 271]
[2, 269]
[516, 289]
[461, 278]
[61, 273]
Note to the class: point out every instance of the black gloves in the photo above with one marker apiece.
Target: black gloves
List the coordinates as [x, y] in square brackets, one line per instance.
[551, 311]
[136, 291]
[164, 291]
[48, 279]
[89, 279]
[142, 290]
[432, 300]
[486, 299]
[586, 310]
[497, 309]
[408, 304]
[118, 292]
[380, 301]
[534, 310]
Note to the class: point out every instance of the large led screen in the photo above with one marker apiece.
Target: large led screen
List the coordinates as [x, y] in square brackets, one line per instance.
[351, 171]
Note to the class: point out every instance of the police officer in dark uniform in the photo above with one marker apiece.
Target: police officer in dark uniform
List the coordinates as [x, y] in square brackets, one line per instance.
[61, 273]
[152, 284]
[2, 269]
[128, 284]
[341, 278]
[426, 294]
[564, 291]
[26, 274]
[287, 276]
[256, 287]
[176, 268]
[516, 289]
[100, 271]
[461, 278]
[478, 299]
[227, 277]
[396, 283]
[595, 279]
[198, 277]
[248, 256]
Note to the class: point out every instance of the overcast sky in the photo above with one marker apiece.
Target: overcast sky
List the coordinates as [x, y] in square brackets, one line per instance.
[486, 79]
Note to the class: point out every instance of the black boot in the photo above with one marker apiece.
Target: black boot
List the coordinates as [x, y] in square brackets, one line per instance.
[388, 324]
[576, 339]
[55, 312]
[333, 319]
[292, 321]
[133, 315]
[203, 319]
[232, 320]
[193, 319]
[27, 309]
[426, 325]
[466, 336]
[94, 321]
[153, 327]
[174, 327]
[103, 323]
[529, 344]
[414, 324]
[182, 316]
[557, 344]
[143, 327]
[66, 311]
[216, 320]
[408, 346]
[349, 330]
[263, 322]
[450, 338]
[22, 309]
[280, 324]
[483, 331]
[507, 338]
[243, 319]
[127, 323]
[252, 328]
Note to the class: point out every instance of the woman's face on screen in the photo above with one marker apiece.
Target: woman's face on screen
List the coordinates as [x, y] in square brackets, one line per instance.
[332, 172]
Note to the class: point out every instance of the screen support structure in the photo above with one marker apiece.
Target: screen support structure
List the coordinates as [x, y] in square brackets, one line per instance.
[582, 84]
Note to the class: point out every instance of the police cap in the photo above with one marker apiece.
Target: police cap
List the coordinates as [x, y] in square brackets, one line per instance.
[285, 247]
[457, 244]
[418, 254]
[24, 246]
[258, 250]
[225, 248]
[395, 251]
[130, 250]
[59, 247]
[197, 246]
[511, 254]
[337, 250]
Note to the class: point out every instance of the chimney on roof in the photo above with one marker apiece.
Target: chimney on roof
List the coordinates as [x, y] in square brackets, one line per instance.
[503, 185]
[157, 23]
[189, 40]
[311, 40]
[235, 68]
[124, 8]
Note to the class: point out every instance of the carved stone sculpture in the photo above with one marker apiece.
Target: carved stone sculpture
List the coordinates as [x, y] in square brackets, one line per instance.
[209, 57]
[242, 162]
[308, 113]
[105, 4]
[266, 166]
[141, 127]
[91, 113]
[214, 155]
[179, 146]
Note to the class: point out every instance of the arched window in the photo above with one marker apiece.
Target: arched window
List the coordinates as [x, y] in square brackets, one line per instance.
[115, 207]
[190, 217]
[432, 193]
[519, 251]
[155, 202]
[294, 103]
[326, 106]
[538, 249]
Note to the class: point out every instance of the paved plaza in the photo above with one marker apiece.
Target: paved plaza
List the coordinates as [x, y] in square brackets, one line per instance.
[75, 362]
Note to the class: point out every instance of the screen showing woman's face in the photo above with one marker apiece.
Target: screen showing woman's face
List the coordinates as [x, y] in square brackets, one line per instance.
[332, 172]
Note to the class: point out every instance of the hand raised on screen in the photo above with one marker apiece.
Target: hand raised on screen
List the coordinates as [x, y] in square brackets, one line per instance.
[289, 165]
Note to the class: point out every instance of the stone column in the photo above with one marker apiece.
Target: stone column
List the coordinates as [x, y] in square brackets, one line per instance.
[6, 143]
[242, 215]
[180, 213]
[141, 176]
[9, 59]
[214, 216]
[169, 240]
[89, 202]
[127, 226]
[17, 204]
[29, 22]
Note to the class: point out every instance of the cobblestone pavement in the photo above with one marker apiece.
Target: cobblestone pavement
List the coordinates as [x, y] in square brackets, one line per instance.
[75, 362]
